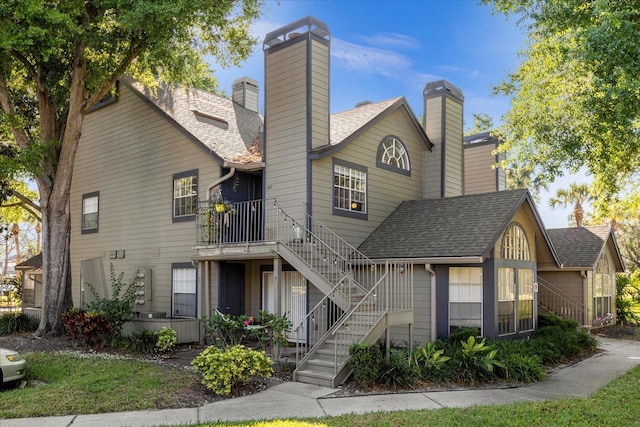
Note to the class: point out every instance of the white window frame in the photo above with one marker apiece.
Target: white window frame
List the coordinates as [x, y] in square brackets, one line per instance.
[90, 212]
[393, 155]
[506, 298]
[349, 189]
[525, 295]
[466, 289]
[185, 196]
[184, 284]
[515, 244]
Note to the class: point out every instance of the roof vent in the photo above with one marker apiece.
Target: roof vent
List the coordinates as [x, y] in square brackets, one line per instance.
[361, 103]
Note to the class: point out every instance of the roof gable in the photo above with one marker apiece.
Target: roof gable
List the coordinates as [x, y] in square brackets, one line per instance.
[232, 132]
[348, 125]
[453, 227]
[580, 247]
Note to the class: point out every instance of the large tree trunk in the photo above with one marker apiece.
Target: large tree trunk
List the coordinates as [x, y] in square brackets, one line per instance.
[55, 184]
[56, 270]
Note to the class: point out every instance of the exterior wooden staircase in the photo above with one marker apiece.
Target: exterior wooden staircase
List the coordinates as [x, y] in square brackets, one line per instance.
[356, 307]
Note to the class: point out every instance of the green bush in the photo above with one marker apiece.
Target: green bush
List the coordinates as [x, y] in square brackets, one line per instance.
[545, 320]
[167, 339]
[462, 334]
[119, 308]
[520, 367]
[627, 298]
[476, 361]
[556, 343]
[367, 362]
[142, 342]
[398, 371]
[225, 330]
[89, 329]
[224, 369]
[431, 362]
[11, 323]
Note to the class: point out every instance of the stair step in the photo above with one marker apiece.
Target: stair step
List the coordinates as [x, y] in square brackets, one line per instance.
[322, 365]
[311, 377]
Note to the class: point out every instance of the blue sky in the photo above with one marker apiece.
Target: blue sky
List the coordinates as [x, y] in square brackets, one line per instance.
[385, 49]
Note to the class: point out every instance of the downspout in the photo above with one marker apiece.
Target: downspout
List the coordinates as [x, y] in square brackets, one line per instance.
[585, 298]
[219, 181]
[432, 274]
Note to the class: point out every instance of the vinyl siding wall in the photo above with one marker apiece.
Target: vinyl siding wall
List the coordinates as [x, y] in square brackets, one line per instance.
[385, 189]
[479, 174]
[453, 151]
[422, 328]
[286, 119]
[129, 154]
[433, 125]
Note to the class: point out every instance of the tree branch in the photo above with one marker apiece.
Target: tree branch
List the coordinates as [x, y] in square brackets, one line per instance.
[8, 107]
[135, 48]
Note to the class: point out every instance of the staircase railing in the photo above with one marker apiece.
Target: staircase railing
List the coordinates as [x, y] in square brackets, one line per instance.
[316, 324]
[559, 303]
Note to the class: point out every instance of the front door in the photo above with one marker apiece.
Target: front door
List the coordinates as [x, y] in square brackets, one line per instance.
[231, 295]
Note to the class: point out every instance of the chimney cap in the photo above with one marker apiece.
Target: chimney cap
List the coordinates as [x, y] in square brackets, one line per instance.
[438, 87]
[301, 27]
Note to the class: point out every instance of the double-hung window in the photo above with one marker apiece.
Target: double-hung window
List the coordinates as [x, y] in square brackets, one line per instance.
[349, 189]
[90, 212]
[465, 298]
[185, 196]
[183, 282]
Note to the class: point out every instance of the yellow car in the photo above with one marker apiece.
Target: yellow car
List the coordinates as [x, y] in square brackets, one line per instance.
[12, 366]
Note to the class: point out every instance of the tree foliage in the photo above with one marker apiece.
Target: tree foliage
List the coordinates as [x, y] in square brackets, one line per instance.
[576, 94]
[58, 59]
[574, 196]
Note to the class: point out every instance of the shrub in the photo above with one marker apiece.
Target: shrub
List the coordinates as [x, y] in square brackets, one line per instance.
[520, 367]
[11, 323]
[90, 329]
[225, 330]
[224, 369]
[141, 342]
[477, 361]
[275, 333]
[367, 362]
[119, 308]
[167, 339]
[545, 320]
[627, 298]
[398, 371]
[430, 362]
[462, 334]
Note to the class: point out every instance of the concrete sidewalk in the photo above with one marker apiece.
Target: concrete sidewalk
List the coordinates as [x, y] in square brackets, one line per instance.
[297, 400]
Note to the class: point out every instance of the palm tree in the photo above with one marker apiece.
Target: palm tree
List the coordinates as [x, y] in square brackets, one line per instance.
[574, 196]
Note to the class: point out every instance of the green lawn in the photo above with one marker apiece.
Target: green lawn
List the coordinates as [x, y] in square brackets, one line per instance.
[71, 385]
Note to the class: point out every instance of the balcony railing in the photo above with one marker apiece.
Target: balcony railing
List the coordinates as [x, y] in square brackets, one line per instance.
[241, 222]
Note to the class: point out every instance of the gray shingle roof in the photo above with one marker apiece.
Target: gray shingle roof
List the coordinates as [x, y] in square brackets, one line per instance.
[579, 246]
[232, 132]
[346, 123]
[465, 226]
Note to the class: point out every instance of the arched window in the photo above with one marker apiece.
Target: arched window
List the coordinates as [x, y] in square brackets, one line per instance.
[392, 155]
[515, 244]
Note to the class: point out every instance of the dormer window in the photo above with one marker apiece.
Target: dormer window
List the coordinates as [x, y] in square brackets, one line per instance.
[393, 155]
[211, 120]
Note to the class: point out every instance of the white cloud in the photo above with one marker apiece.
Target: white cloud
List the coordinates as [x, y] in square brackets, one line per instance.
[392, 40]
[367, 60]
